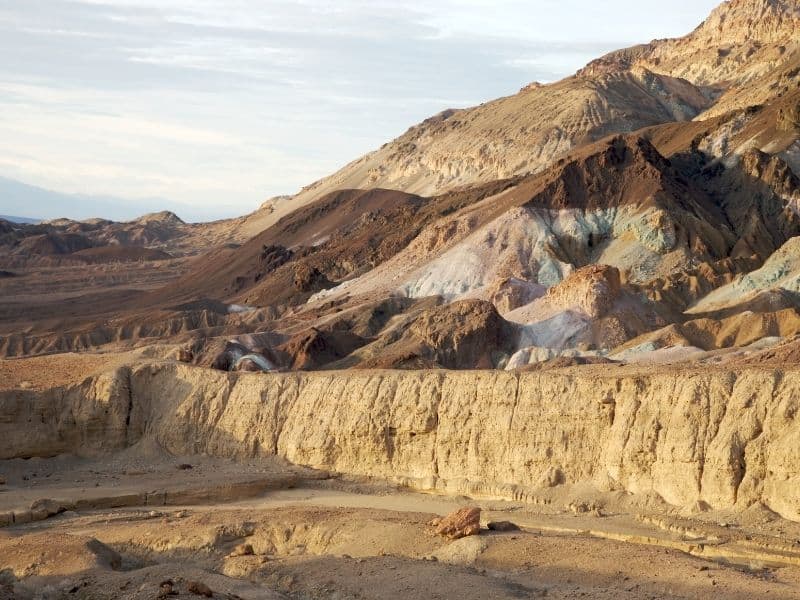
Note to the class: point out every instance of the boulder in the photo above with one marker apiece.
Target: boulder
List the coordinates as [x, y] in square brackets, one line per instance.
[106, 556]
[46, 507]
[502, 526]
[460, 523]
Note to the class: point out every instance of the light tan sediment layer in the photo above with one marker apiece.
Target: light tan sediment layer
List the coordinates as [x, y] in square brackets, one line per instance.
[728, 439]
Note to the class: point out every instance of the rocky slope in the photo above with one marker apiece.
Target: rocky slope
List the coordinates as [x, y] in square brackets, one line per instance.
[507, 235]
[716, 438]
[99, 240]
[517, 134]
[747, 52]
[741, 40]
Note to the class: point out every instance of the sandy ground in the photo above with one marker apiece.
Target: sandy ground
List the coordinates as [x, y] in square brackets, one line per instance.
[45, 372]
[141, 517]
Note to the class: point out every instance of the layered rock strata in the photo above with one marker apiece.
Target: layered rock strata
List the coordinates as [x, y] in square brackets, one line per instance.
[727, 439]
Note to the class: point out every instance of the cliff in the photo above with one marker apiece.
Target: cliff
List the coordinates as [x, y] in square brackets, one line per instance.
[728, 439]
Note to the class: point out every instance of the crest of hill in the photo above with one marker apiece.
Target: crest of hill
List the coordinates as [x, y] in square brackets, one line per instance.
[747, 51]
[165, 217]
[744, 53]
[517, 134]
[740, 40]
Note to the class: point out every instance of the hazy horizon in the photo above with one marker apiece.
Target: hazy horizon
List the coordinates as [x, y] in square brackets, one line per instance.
[215, 109]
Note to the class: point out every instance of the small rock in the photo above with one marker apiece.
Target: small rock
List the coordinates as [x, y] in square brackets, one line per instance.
[165, 588]
[47, 507]
[185, 466]
[242, 550]
[503, 526]
[182, 514]
[460, 523]
[199, 589]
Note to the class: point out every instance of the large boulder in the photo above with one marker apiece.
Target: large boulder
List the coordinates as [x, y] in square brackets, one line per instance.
[460, 523]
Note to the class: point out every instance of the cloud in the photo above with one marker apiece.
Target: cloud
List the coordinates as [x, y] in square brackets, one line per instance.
[220, 105]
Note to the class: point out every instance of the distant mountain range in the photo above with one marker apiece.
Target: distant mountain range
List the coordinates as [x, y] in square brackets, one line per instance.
[14, 219]
[20, 198]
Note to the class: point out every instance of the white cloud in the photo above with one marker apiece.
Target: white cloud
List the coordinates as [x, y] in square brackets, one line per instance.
[222, 104]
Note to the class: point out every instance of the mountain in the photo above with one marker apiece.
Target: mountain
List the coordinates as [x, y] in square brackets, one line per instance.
[49, 204]
[14, 219]
[745, 53]
[518, 134]
[590, 212]
[644, 209]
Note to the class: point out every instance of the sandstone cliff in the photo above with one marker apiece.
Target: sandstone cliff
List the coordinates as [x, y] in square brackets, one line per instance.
[729, 439]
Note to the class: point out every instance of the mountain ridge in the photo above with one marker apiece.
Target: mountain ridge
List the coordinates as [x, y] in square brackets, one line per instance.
[665, 80]
[583, 219]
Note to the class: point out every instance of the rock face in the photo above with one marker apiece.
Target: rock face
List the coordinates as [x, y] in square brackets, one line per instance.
[314, 348]
[592, 289]
[517, 134]
[463, 334]
[726, 438]
[745, 52]
[460, 523]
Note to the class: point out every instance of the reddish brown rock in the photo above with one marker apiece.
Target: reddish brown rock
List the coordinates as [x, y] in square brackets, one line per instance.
[460, 523]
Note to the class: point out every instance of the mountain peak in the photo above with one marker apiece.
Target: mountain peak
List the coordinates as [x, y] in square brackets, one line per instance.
[740, 41]
[164, 216]
[764, 21]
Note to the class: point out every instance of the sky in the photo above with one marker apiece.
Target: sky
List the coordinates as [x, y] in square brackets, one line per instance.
[211, 107]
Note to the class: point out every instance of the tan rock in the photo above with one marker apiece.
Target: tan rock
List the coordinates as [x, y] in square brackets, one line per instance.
[49, 507]
[463, 432]
[460, 523]
[105, 555]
